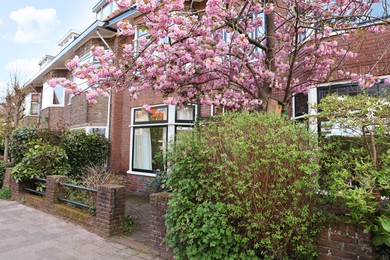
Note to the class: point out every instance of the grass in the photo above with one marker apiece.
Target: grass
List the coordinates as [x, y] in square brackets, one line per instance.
[128, 224]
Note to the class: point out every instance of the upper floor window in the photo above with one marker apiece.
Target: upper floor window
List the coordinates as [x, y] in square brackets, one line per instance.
[52, 96]
[105, 11]
[32, 104]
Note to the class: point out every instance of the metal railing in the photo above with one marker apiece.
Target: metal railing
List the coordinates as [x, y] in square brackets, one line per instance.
[77, 203]
[35, 191]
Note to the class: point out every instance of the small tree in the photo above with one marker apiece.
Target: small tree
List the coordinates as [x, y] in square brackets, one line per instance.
[13, 108]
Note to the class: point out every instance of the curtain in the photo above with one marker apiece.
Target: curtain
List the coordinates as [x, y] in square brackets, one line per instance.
[142, 149]
[186, 113]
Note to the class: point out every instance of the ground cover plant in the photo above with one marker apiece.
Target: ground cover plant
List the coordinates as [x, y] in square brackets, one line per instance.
[243, 187]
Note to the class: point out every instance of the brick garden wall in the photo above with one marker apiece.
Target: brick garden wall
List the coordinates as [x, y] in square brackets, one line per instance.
[341, 241]
[110, 205]
[158, 208]
[338, 242]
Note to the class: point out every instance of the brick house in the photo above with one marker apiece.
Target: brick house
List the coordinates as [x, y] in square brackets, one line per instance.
[138, 138]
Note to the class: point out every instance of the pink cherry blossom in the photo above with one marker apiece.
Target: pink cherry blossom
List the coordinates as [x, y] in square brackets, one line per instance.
[221, 55]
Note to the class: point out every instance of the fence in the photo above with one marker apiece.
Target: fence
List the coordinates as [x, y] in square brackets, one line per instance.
[110, 201]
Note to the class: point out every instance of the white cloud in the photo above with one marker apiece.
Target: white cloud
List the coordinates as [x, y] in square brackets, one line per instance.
[23, 68]
[34, 25]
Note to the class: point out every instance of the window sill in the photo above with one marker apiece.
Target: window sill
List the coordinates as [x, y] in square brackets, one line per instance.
[141, 173]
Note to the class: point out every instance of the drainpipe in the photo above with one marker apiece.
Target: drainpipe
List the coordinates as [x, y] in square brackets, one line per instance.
[109, 98]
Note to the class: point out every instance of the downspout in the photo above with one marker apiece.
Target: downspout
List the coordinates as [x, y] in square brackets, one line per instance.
[109, 99]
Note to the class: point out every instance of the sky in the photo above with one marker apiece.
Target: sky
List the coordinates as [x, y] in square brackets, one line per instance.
[30, 29]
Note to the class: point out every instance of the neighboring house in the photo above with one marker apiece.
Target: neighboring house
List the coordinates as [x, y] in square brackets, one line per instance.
[52, 107]
[373, 57]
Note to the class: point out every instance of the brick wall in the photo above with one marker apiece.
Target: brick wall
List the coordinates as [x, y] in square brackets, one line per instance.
[52, 117]
[337, 242]
[136, 183]
[341, 241]
[110, 205]
[97, 113]
[76, 110]
[29, 121]
[158, 208]
[79, 112]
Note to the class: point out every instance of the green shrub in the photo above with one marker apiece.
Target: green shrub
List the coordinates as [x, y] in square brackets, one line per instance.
[84, 150]
[3, 165]
[19, 142]
[357, 169]
[128, 224]
[5, 193]
[42, 159]
[243, 187]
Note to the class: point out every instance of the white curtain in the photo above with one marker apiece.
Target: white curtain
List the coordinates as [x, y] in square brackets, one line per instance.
[185, 113]
[142, 149]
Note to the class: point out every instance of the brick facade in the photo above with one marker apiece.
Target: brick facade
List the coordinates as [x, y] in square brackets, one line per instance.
[52, 117]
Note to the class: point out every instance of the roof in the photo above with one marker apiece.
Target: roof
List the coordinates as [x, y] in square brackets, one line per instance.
[69, 51]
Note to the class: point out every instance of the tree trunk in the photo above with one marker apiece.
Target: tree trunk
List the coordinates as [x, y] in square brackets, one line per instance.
[6, 145]
[270, 57]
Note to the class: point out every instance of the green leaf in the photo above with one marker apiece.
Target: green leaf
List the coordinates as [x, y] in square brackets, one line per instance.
[378, 240]
[385, 222]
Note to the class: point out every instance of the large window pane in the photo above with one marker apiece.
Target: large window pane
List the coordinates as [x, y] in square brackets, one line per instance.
[58, 95]
[186, 114]
[149, 148]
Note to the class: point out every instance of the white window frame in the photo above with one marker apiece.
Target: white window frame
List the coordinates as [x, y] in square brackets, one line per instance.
[171, 125]
[48, 94]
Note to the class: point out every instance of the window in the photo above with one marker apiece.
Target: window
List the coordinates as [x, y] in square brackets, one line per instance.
[140, 33]
[149, 148]
[185, 114]
[156, 114]
[52, 97]
[379, 89]
[300, 105]
[32, 104]
[151, 132]
[106, 10]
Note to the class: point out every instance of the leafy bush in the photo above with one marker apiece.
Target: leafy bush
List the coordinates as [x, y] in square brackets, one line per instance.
[358, 168]
[19, 142]
[243, 187]
[5, 193]
[42, 159]
[84, 150]
[3, 165]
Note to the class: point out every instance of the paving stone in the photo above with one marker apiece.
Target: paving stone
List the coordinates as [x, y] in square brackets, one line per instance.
[26, 233]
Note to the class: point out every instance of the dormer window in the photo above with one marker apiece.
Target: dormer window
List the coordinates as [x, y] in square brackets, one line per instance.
[105, 10]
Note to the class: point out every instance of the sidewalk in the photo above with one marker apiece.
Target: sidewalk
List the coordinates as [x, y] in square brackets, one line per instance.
[26, 233]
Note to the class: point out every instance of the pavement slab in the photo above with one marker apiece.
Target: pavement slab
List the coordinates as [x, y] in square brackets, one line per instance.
[27, 233]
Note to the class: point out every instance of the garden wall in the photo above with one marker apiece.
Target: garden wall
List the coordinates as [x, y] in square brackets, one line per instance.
[338, 241]
[110, 205]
